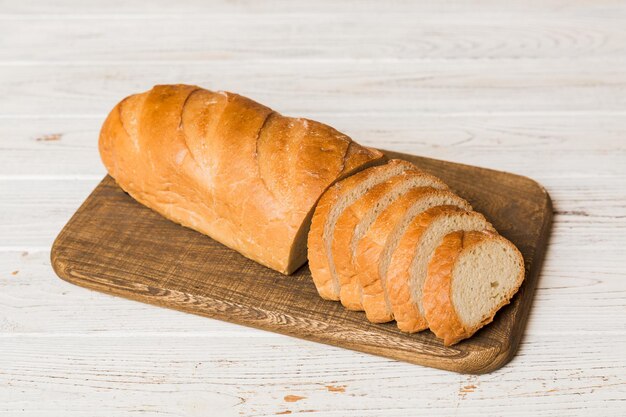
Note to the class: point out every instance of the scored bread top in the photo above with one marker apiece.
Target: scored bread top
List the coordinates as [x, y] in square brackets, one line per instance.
[471, 275]
[329, 208]
[378, 242]
[407, 269]
[358, 216]
[227, 166]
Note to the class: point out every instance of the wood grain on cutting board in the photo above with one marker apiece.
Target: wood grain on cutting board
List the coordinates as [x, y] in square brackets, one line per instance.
[115, 245]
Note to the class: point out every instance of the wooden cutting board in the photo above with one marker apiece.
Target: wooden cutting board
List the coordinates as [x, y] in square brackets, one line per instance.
[115, 245]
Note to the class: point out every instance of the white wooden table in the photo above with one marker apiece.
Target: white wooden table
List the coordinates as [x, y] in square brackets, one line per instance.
[535, 88]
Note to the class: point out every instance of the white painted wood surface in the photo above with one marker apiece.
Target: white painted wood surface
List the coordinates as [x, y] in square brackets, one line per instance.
[536, 88]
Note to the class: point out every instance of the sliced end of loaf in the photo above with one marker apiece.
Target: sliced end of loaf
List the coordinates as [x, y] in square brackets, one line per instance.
[470, 277]
[358, 159]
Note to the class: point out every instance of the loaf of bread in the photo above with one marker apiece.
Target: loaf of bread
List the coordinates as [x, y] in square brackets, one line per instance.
[228, 167]
[387, 238]
[471, 275]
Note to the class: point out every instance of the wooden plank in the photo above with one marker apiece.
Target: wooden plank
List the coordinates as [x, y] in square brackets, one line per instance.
[555, 9]
[587, 209]
[105, 247]
[303, 88]
[34, 302]
[198, 376]
[68, 146]
[580, 292]
[34, 211]
[308, 36]
[56, 348]
[487, 131]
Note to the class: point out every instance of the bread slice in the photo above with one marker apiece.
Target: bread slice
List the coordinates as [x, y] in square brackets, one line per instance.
[329, 208]
[407, 269]
[471, 275]
[357, 218]
[378, 242]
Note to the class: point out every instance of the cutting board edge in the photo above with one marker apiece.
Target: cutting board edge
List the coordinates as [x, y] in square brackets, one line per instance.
[475, 363]
[467, 365]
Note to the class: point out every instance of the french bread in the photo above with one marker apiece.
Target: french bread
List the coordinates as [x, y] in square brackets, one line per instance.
[407, 269]
[228, 167]
[357, 218]
[374, 249]
[471, 275]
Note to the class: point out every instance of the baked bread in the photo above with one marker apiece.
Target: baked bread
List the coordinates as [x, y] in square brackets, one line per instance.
[407, 270]
[375, 247]
[329, 208]
[390, 239]
[471, 275]
[228, 167]
[357, 218]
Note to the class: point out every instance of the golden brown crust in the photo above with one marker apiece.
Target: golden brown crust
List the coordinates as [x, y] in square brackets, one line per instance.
[439, 309]
[371, 247]
[345, 229]
[318, 261]
[368, 253]
[210, 161]
[326, 284]
[405, 310]
[437, 294]
[369, 250]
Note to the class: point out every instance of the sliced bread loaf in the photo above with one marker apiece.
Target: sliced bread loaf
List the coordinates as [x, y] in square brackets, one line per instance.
[330, 206]
[471, 275]
[379, 239]
[357, 218]
[407, 269]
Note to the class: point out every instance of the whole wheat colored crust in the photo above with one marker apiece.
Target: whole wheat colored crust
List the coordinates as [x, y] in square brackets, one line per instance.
[319, 263]
[439, 310]
[228, 167]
